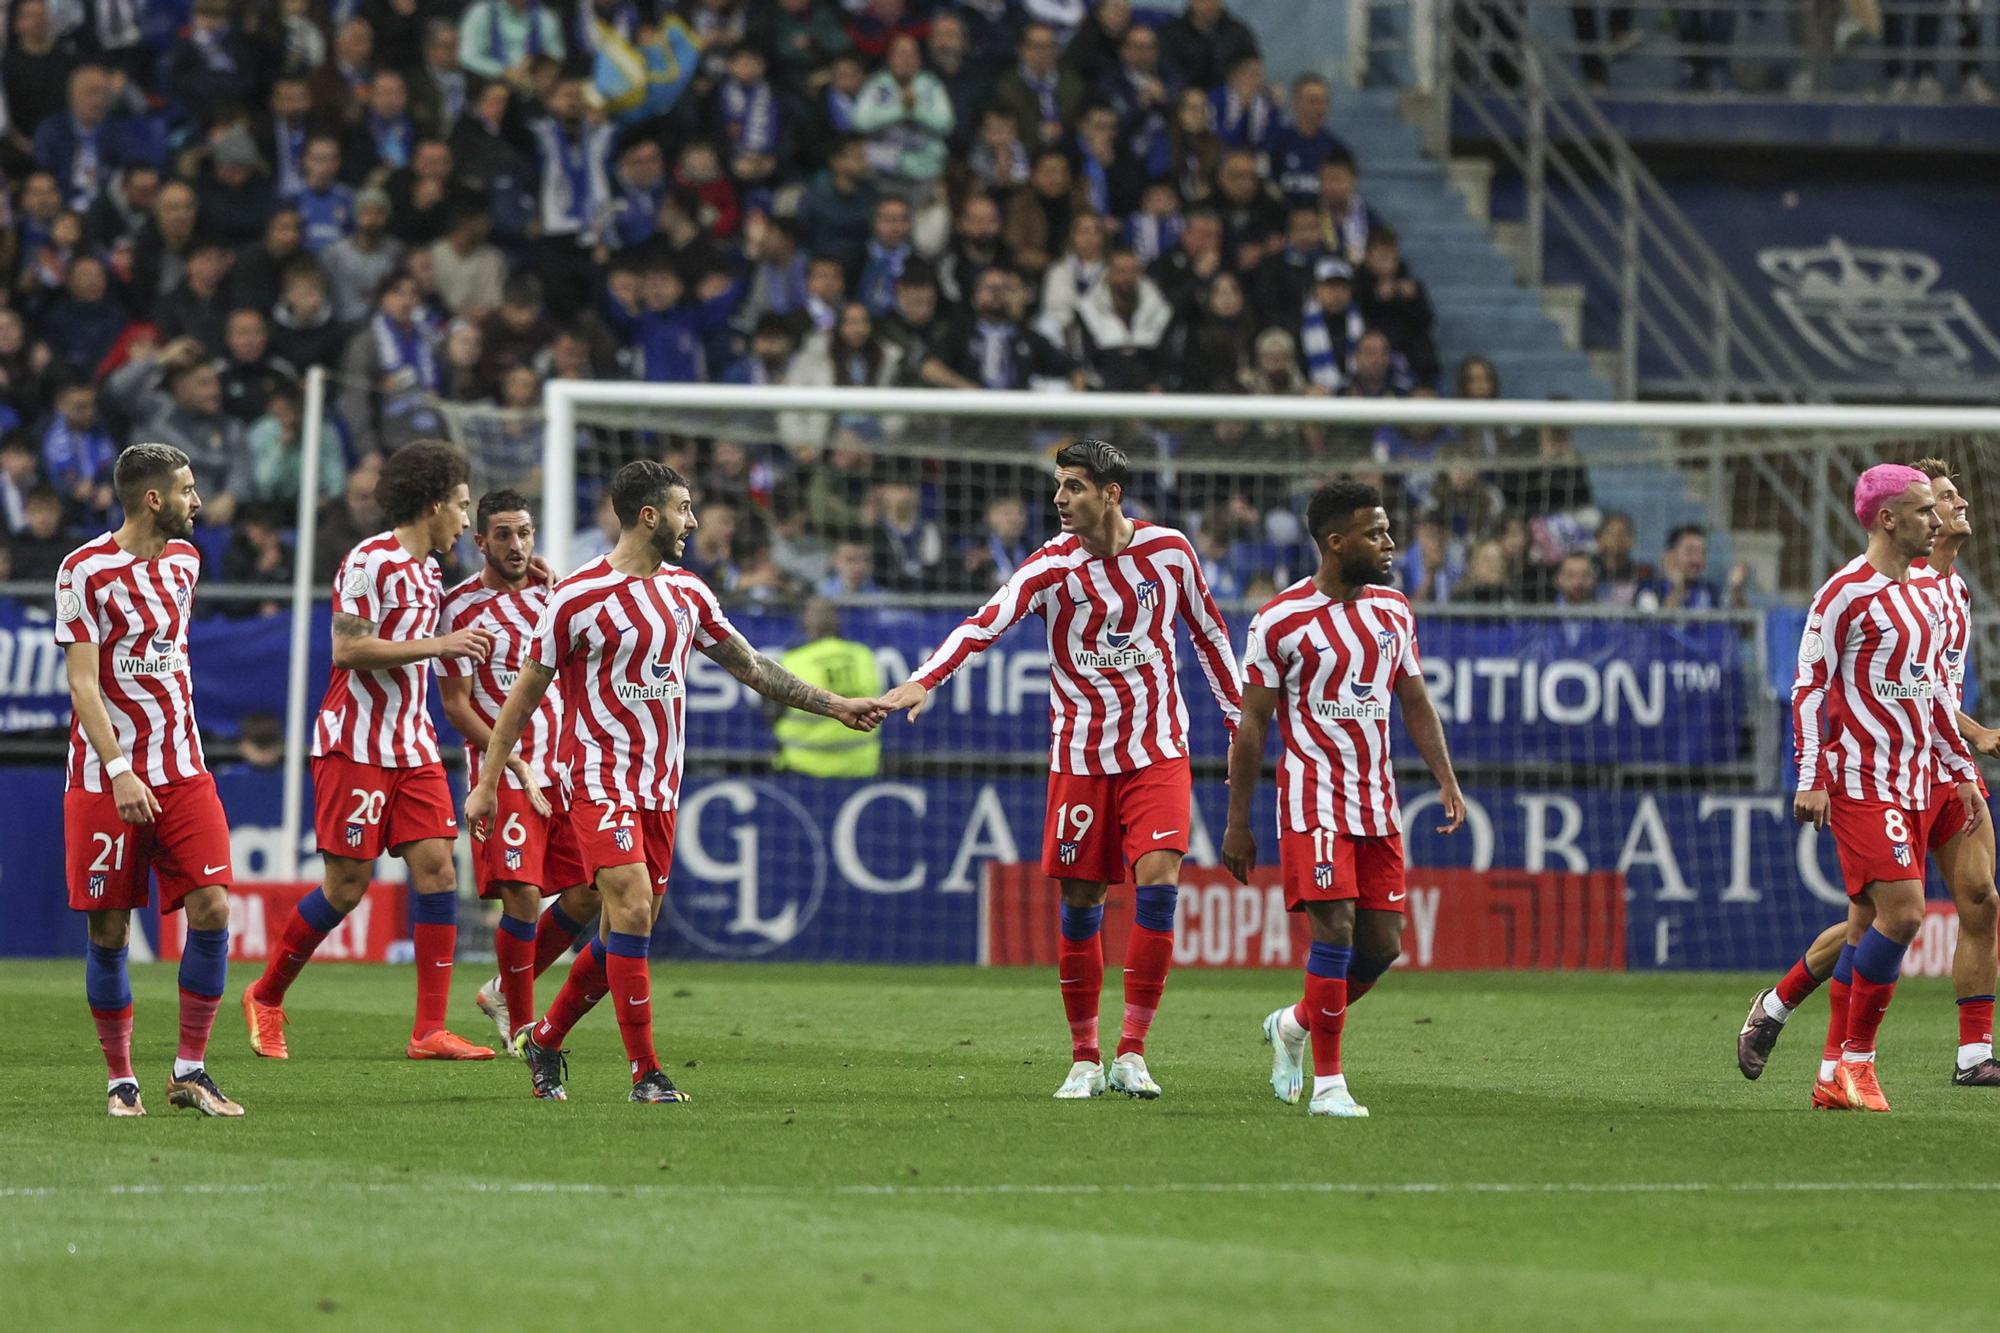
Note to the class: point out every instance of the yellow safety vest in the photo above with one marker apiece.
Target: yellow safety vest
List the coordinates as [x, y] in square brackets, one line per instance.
[821, 747]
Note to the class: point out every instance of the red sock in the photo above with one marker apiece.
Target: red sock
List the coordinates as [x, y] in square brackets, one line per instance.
[294, 951]
[1326, 1000]
[114, 1034]
[1080, 969]
[516, 957]
[579, 995]
[1975, 1022]
[552, 941]
[1302, 1015]
[1357, 989]
[1836, 1017]
[1148, 956]
[1867, 1002]
[1796, 985]
[197, 1020]
[632, 991]
[436, 943]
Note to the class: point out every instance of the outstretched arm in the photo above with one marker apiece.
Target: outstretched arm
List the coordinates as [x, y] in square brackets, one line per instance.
[975, 634]
[357, 647]
[1426, 730]
[765, 675]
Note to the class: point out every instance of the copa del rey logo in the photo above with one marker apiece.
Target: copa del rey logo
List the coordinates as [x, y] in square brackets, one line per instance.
[1872, 308]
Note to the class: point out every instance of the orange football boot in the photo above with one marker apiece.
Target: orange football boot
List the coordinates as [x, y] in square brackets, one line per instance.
[267, 1026]
[443, 1045]
[1828, 1096]
[1857, 1080]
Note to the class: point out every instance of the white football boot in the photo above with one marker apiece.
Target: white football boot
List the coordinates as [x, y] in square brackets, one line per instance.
[1130, 1076]
[494, 1006]
[1086, 1079]
[1337, 1101]
[1288, 1059]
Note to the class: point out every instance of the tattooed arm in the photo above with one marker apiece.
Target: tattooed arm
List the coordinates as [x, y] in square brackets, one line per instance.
[763, 674]
[357, 647]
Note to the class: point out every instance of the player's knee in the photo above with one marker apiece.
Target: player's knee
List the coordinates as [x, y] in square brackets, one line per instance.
[1371, 961]
[1900, 921]
[1979, 913]
[207, 908]
[110, 930]
[1083, 893]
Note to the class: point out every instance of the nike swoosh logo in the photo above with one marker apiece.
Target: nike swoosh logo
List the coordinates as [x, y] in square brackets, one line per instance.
[1334, 1013]
[446, 963]
[646, 1000]
[215, 870]
[1398, 897]
[661, 880]
[512, 970]
[1166, 833]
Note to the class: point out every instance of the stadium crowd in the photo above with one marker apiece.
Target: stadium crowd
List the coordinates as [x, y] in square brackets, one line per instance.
[446, 203]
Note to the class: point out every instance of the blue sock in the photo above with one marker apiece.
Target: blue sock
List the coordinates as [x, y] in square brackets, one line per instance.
[205, 962]
[597, 947]
[560, 919]
[1879, 958]
[519, 929]
[1328, 960]
[105, 982]
[435, 909]
[630, 946]
[318, 911]
[1154, 907]
[1843, 966]
[1080, 923]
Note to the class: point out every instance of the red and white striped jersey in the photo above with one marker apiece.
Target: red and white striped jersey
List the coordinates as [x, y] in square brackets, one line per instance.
[383, 717]
[511, 616]
[1955, 645]
[1114, 690]
[619, 646]
[1337, 664]
[136, 612]
[1871, 657]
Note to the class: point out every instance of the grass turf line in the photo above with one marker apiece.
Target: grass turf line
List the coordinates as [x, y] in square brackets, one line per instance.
[873, 1147]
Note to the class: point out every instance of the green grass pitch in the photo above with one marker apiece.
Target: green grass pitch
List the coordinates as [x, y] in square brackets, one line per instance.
[877, 1148]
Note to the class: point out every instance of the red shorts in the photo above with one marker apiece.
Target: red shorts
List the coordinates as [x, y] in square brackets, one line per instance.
[1328, 867]
[1947, 813]
[1877, 842]
[608, 834]
[360, 810]
[107, 859]
[1096, 826]
[526, 848]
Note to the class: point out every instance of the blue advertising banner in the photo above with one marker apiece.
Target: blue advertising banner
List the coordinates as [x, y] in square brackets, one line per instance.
[890, 871]
[1516, 691]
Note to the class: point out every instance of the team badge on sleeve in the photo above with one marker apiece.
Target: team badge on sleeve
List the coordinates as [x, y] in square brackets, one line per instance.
[357, 582]
[1812, 647]
[69, 606]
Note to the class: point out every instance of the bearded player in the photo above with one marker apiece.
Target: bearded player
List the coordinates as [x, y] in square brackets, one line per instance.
[1332, 649]
[378, 780]
[138, 798]
[1870, 658]
[1964, 856]
[532, 854]
[1110, 589]
[615, 637]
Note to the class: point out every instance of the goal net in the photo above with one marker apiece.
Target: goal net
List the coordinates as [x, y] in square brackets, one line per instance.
[1609, 598]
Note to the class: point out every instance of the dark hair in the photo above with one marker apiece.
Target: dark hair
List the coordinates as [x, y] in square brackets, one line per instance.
[417, 476]
[503, 501]
[1684, 530]
[1384, 234]
[640, 483]
[141, 468]
[1334, 504]
[1106, 463]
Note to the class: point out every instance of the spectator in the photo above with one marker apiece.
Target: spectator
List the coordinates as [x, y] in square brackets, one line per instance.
[803, 37]
[850, 355]
[1430, 565]
[574, 156]
[256, 277]
[717, 210]
[260, 746]
[1393, 300]
[195, 423]
[84, 144]
[1618, 23]
[822, 747]
[32, 70]
[1252, 211]
[1112, 179]
[1478, 379]
[1484, 582]
[1348, 220]
[1299, 148]
[1376, 371]
[275, 441]
[1194, 149]
[1156, 228]
[1093, 51]
[916, 327]
[1619, 577]
[830, 114]
[357, 265]
[389, 371]
[384, 139]
[324, 203]
[85, 322]
[1408, 444]
[736, 477]
[1556, 489]
[667, 330]
[1707, 33]
[888, 252]
[499, 37]
[439, 90]
[250, 374]
[1464, 501]
[1184, 274]
[1124, 324]
[1071, 280]
[1038, 93]
[999, 163]
[19, 476]
[197, 308]
[1274, 366]
[909, 548]
[1039, 217]
[471, 272]
[1680, 585]
[1331, 328]
[78, 453]
[232, 191]
[976, 246]
[24, 365]
[965, 82]
[1284, 278]
[772, 345]
[348, 519]
[303, 331]
[1000, 547]
[258, 551]
[1216, 346]
[987, 347]
[710, 552]
[835, 216]
[115, 221]
[1576, 580]
[1204, 41]
[852, 575]
[421, 194]
[42, 543]
[215, 66]
[907, 115]
[1245, 115]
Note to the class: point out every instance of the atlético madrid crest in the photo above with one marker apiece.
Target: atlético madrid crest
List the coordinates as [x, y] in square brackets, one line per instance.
[622, 839]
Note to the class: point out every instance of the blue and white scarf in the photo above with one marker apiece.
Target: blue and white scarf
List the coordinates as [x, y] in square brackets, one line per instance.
[840, 111]
[750, 113]
[214, 54]
[290, 143]
[408, 365]
[1242, 122]
[392, 139]
[1096, 184]
[1044, 90]
[995, 344]
[879, 276]
[1326, 363]
[574, 181]
[1152, 236]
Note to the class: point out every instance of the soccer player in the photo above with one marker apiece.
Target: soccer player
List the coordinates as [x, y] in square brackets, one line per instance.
[378, 782]
[616, 637]
[138, 798]
[1332, 649]
[532, 853]
[1110, 589]
[1870, 655]
[1964, 855]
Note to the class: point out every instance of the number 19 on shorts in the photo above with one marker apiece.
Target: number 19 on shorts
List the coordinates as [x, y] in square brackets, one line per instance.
[1073, 824]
